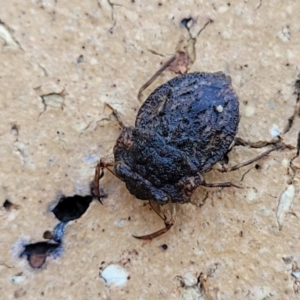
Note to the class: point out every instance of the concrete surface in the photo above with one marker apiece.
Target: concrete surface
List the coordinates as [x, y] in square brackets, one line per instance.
[60, 61]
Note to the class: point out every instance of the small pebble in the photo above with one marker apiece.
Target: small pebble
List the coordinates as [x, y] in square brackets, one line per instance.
[296, 274]
[190, 279]
[114, 275]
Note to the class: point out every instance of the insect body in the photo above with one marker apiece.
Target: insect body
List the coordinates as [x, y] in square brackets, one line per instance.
[182, 129]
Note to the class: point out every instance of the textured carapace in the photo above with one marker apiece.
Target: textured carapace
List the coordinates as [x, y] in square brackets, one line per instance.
[182, 129]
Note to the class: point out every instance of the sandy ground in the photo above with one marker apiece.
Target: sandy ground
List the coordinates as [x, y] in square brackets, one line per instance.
[60, 62]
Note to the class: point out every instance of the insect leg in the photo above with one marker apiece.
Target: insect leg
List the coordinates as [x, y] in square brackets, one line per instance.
[116, 115]
[164, 66]
[99, 173]
[167, 213]
[219, 184]
[248, 162]
[95, 185]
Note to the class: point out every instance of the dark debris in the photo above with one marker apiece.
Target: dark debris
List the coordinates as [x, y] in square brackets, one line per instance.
[7, 204]
[187, 22]
[67, 209]
[71, 208]
[37, 253]
[164, 246]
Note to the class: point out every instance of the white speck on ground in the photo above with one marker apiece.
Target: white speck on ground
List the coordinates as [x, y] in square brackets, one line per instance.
[249, 111]
[296, 274]
[190, 279]
[114, 275]
[274, 131]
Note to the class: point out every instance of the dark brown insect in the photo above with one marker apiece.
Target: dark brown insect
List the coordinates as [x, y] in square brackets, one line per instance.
[182, 129]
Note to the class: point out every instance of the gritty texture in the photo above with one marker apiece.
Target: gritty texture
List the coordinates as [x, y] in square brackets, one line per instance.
[60, 62]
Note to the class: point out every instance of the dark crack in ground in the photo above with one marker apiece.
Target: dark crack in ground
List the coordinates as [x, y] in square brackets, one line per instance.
[112, 7]
[259, 5]
[296, 113]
